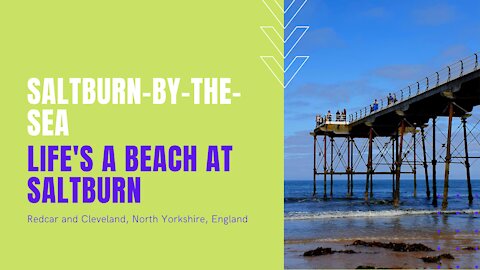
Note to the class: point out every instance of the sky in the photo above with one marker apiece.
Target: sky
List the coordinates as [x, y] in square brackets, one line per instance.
[362, 50]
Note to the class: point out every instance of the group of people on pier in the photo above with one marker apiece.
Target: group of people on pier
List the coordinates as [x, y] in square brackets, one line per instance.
[391, 99]
[340, 116]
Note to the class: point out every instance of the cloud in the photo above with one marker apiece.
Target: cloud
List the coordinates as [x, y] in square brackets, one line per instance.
[297, 139]
[300, 116]
[401, 72]
[414, 72]
[376, 12]
[307, 100]
[332, 93]
[325, 37]
[434, 15]
[455, 53]
[296, 103]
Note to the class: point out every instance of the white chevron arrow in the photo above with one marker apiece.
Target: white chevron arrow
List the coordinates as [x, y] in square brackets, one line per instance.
[272, 64]
[284, 11]
[278, 71]
[280, 7]
[272, 34]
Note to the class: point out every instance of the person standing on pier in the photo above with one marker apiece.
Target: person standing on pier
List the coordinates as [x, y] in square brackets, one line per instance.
[375, 105]
[319, 120]
[390, 98]
[329, 116]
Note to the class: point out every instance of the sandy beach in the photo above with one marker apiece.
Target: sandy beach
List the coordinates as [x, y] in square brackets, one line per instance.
[337, 223]
[452, 243]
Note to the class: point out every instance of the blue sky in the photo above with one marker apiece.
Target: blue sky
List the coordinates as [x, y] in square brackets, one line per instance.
[360, 50]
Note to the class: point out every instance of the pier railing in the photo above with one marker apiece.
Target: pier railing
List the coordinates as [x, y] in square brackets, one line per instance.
[449, 73]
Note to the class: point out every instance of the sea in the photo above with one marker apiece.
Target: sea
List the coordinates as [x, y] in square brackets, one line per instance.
[310, 218]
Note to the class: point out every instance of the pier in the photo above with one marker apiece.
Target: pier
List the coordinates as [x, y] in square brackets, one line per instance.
[393, 135]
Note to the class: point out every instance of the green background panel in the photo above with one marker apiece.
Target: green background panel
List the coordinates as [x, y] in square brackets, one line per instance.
[147, 39]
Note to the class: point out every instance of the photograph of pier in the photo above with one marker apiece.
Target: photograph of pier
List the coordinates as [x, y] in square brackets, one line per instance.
[382, 137]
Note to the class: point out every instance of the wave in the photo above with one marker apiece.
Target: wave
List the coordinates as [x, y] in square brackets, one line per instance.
[389, 238]
[300, 199]
[288, 200]
[383, 213]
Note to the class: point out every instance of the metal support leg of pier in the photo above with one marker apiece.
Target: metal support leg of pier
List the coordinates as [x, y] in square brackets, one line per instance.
[434, 163]
[348, 167]
[448, 157]
[414, 163]
[425, 164]
[369, 162]
[332, 141]
[371, 184]
[351, 167]
[467, 162]
[314, 165]
[393, 165]
[396, 200]
[371, 173]
[325, 166]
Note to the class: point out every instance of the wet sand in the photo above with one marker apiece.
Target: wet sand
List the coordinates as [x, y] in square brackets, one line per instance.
[385, 258]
